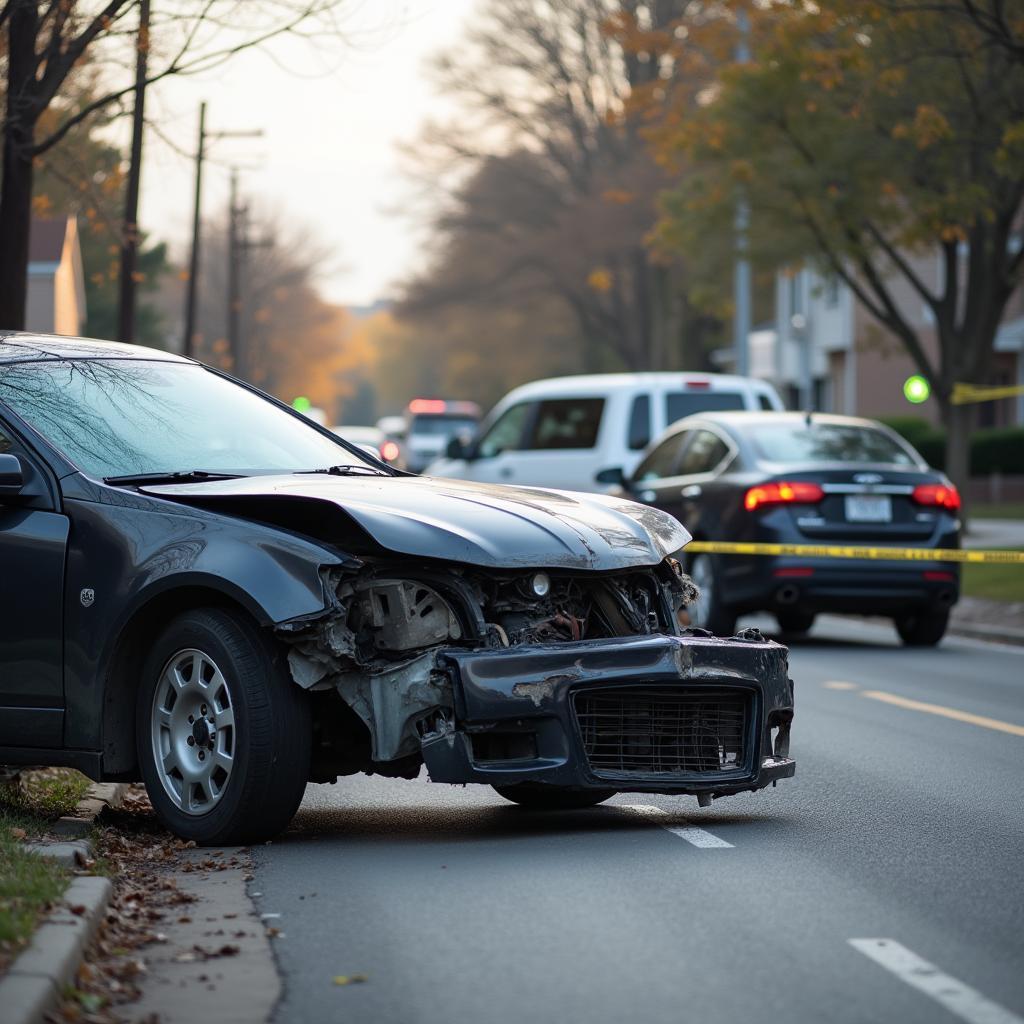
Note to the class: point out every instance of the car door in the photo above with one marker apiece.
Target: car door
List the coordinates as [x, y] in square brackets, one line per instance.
[493, 455]
[33, 547]
[655, 480]
[699, 490]
[560, 447]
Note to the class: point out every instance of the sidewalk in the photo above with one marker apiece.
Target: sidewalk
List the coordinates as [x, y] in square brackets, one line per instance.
[995, 533]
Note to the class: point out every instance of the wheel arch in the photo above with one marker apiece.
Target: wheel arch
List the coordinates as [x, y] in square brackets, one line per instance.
[128, 650]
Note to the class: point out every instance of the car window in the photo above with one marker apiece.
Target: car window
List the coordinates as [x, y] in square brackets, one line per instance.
[123, 417]
[827, 442]
[705, 452]
[506, 432]
[638, 434]
[441, 426]
[6, 443]
[566, 423]
[664, 460]
[765, 403]
[685, 403]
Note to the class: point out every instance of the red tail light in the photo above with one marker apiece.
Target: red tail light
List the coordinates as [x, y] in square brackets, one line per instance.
[800, 492]
[389, 451]
[942, 495]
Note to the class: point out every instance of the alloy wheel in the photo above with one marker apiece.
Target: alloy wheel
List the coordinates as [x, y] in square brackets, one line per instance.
[193, 731]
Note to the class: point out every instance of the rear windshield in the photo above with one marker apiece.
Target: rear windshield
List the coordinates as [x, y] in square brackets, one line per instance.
[441, 426]
[826, 442]
[685, 403]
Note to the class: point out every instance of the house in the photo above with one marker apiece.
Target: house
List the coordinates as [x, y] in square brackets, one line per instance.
[827, 352]
[55, 301]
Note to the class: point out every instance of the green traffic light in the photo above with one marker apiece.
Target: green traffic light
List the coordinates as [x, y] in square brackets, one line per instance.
[301, 404]
[916, 389]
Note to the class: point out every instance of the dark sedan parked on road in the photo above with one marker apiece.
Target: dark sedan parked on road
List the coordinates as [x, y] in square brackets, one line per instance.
[794, 478]
[203, 589]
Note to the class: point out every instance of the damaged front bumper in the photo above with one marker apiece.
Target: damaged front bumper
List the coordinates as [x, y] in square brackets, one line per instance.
[669, 714]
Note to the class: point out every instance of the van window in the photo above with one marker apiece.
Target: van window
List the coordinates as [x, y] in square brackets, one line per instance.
[639, 434]
[662, 462]
[705, 452]
[506, 432]
[765, 403]
[685, 403]
[566, 423]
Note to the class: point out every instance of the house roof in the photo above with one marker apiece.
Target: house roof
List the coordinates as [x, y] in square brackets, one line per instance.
[46, 239]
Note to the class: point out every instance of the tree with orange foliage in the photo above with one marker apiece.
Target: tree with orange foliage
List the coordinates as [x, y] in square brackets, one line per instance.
[864, 134]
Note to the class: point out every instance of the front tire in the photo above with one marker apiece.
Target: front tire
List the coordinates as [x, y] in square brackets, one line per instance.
[539, 797]
[923, 629]
[223, 733]
[708, 611]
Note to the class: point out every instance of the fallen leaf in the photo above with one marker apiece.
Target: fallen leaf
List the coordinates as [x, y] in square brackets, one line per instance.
[18, 833]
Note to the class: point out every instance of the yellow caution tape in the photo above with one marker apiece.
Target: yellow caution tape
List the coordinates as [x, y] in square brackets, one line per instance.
[722, 547]
[964, 394]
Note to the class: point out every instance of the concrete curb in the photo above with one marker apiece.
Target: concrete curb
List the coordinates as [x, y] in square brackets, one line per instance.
[994, 634]
[101, 795]
[33, 983]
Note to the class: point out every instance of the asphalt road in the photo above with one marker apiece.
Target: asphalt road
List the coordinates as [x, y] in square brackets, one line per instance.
[904, 823]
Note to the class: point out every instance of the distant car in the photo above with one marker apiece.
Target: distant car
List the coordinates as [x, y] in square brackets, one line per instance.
[202, 589]
[370, 439]
[393, 429]
[430, 423]
[586, 433]
[799, 479]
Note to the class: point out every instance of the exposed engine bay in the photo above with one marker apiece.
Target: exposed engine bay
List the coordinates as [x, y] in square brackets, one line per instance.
[379, 648]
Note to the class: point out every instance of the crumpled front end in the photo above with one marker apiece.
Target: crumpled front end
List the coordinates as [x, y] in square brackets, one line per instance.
[569, 679]
[674, 714]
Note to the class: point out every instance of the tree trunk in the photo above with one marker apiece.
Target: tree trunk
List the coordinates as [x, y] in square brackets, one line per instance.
[957, 419]
[16, 185]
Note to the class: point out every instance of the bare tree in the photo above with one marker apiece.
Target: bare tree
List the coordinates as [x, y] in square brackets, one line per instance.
[47, 40]
[550, 171]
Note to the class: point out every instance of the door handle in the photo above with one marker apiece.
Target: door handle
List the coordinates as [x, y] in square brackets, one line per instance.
[693, 491]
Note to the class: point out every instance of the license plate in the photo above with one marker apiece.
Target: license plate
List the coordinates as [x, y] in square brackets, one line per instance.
[868, 508]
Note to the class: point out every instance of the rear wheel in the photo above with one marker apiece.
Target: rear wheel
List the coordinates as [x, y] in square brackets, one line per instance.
[794, 621]
[707, 611]
[923, 629]
[539, 797]
[223, 732]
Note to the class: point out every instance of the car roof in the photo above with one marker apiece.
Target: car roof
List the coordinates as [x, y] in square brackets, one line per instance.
[601, 383]
[745, 419]
[24, 347]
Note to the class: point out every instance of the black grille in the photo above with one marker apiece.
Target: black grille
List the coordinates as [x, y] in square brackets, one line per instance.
[652, 731]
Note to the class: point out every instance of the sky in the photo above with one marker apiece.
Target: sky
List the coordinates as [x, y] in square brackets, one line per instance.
[333, 116]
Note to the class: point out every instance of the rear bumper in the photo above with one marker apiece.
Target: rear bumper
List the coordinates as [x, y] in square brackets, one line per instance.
[663, 701]
[840, 585]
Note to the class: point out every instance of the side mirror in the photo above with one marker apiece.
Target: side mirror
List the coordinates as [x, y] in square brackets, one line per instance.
[461, 446]
[613, 476]
[12, 476]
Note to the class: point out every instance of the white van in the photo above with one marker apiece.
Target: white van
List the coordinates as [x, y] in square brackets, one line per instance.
[584, 433]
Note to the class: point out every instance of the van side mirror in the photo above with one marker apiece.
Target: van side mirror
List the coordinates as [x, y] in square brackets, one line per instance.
[460, 447]
[12, 476]
[614, 476]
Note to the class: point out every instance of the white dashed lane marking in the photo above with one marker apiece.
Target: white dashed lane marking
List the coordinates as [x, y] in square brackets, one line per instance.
[961, 1000]
[694, 835]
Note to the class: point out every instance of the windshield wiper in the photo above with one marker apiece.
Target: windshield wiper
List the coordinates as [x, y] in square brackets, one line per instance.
[348, 470]
[181, 476]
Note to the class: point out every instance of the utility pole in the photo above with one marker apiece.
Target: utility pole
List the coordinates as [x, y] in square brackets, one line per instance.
[192, 292]
[193, 263]
[239, 244]
[741, 282]
[130, 229]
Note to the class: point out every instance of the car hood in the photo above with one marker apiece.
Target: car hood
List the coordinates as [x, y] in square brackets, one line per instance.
[458, 521]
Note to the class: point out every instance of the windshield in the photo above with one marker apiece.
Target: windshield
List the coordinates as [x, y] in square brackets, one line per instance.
[827, 442]
[441, 426]
[121, 417]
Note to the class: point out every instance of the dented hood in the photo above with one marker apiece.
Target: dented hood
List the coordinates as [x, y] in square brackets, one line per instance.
[459, 521]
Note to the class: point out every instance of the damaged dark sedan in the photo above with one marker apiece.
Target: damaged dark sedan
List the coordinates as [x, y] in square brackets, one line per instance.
[201, 589]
